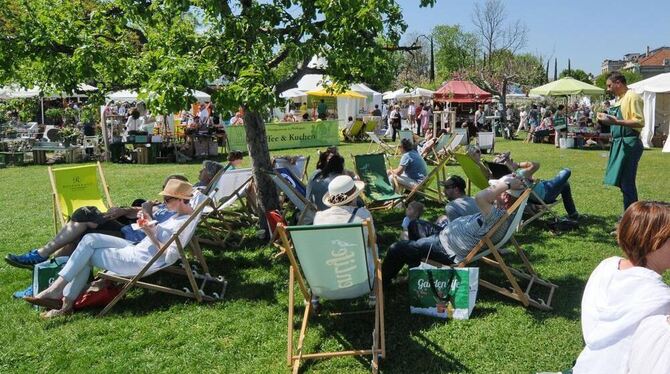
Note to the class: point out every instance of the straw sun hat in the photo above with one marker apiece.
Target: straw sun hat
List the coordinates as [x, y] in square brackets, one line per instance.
[342, 190]
[179, 189]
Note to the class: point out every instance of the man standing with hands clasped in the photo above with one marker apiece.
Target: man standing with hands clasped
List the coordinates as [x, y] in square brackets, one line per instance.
[625, 119]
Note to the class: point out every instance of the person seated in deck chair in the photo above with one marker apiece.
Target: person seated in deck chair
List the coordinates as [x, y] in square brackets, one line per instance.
[120, 256]
[459, 203]
[622, 292]
[455, 241]
[235, 159]
[207, 173]
[547, 190]
[412, 168]
[318, 184]
[86, 221]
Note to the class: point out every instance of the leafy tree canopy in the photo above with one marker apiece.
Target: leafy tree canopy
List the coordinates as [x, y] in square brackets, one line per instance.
[167, 46]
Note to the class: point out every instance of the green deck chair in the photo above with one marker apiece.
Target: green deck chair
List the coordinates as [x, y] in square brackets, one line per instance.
[333, 262]
[371, 125]
[354, 131]
[75, 187]
[472, 171]
[439, 151]
[379, 192]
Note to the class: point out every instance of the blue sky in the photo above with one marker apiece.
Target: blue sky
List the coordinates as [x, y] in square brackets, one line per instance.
[586, 31]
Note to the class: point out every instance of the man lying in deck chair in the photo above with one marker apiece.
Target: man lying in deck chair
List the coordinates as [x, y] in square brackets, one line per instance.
[118, 255]
[546, 190]
[412, 168]
[455, 241]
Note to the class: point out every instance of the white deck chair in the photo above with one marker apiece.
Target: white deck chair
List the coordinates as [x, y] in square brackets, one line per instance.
[173, 250]
[485, 248]
[229, 188]
[458, 140]
[298, 168]
[486, 141]
[464, 139]
[381, 145]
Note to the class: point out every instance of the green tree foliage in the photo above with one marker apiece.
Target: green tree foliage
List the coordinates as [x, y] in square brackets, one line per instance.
[165, 47]
[455, 49]
[577, 74]
[631, 77]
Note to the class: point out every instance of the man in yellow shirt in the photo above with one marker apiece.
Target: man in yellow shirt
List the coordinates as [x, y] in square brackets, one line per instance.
[626, 119]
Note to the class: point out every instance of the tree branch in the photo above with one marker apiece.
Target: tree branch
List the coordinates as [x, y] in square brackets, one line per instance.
[292, 81]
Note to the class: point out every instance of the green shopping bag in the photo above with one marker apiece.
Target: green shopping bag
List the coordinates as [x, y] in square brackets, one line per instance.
[46, 273]
[443, 292]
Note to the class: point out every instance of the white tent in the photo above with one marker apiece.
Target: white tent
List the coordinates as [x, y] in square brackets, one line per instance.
[346, 106]
[414, 93]
[655, 92]
[129, 95]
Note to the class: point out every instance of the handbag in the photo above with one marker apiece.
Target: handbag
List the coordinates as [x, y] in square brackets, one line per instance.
[443, 292]
[46, 273]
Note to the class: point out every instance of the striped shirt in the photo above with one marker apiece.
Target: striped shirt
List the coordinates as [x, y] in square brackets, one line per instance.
[463, 233]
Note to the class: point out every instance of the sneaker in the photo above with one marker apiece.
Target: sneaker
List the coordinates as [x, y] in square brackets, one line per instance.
[26, 260]
[24, 293]
[576, 217]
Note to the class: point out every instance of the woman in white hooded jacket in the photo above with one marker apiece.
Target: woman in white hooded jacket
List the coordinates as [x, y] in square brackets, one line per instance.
[621, 292]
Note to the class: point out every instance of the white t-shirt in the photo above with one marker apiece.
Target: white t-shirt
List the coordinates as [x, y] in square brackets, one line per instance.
[614, 303]
[411, 111]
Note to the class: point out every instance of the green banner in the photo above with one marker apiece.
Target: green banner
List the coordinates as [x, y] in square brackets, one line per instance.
[289, 135]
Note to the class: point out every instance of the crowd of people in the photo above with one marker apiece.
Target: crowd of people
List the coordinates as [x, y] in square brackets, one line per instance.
[625, 300]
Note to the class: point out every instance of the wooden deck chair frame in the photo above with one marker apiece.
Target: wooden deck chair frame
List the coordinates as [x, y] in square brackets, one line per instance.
[372, 204]
[544, 208]
[303, 170]
[218, 212]
[59, 218]
[354, 131]
[439, 151]
[483, 142]
[381, 145]
[293, 195]
[196, 290]
[438, 174]
[488, 253]
[295, 356]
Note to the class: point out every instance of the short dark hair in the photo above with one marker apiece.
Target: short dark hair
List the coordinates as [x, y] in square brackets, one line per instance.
[235, 155]
[407, 144]
[616, 76]
[457, 181]
[561, 107]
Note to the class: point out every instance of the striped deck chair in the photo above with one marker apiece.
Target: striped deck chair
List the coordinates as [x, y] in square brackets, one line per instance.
[333, 262]
[378, 192]
[381, 145]
[201, 285]
[75, 187]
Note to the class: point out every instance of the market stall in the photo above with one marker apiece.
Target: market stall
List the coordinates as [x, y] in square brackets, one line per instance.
[655, 92]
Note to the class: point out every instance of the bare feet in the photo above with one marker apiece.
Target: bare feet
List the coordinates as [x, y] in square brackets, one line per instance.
[55, 313]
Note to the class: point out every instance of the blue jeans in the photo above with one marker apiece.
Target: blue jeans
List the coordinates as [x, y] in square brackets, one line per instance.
[559, 185]
[628, 174]
[411, 253]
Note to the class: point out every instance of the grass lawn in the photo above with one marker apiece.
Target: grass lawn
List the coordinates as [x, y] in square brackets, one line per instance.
[151, 332]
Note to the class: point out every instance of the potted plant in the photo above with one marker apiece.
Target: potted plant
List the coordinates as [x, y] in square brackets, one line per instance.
[69, 135]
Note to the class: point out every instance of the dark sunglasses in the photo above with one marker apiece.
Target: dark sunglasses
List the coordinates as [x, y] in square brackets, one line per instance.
[167, 199]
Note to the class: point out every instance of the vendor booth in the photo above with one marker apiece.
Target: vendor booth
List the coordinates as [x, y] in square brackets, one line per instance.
[655, 92]
[461, 98]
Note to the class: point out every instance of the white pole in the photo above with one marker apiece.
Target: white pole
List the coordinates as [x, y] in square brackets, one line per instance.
[42, 106]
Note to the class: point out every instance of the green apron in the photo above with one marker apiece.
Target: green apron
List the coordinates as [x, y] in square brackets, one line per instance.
[625, 141]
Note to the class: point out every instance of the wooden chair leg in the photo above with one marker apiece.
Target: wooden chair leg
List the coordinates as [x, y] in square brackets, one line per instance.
[291, 308]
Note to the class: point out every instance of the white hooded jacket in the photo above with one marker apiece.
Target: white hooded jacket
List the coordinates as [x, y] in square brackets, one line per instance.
[614, 303]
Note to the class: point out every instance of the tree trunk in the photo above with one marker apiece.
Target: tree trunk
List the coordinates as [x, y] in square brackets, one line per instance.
[503, 101]
[260, 160]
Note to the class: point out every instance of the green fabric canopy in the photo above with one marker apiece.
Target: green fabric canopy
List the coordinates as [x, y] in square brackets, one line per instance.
[565, 87]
